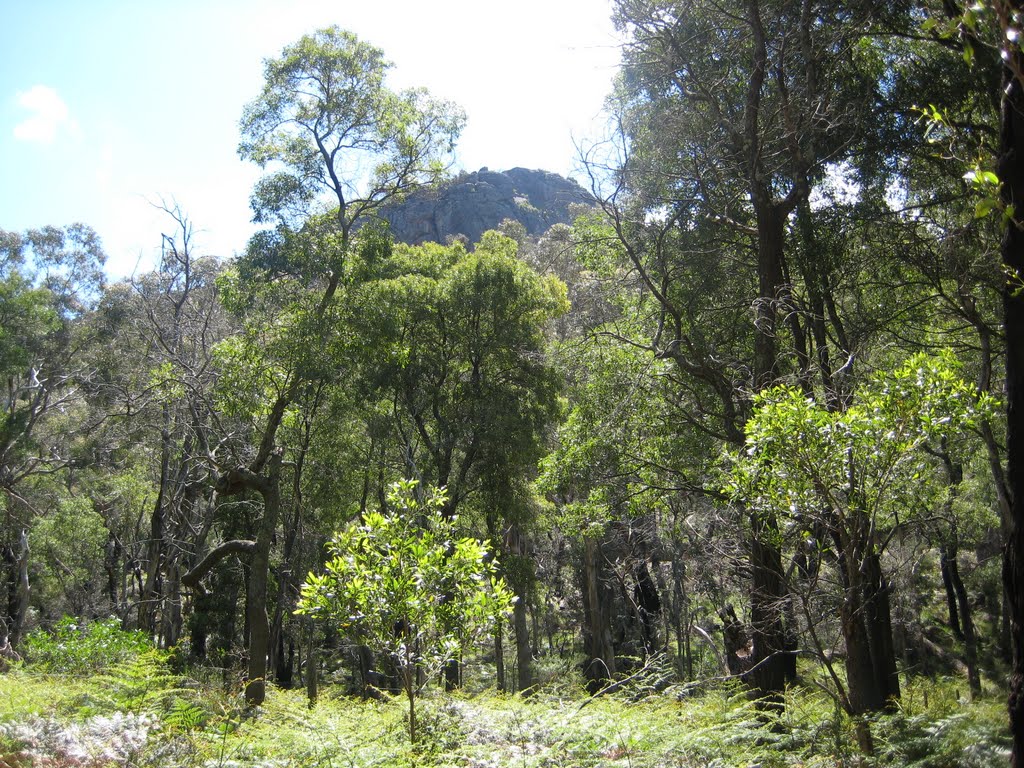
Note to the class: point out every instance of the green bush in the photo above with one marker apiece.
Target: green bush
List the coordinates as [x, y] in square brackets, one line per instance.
[76, 647]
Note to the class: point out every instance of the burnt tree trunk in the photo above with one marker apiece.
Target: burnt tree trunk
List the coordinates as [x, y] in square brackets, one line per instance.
[767, 608]
[150, 599]
[1011, 174]
[878, 618]
[735, 642]
[866, 623]
[946, 563]
[259, 576]
[524, 648]
[648, 604]
[970, 636]
[865, 695]
[767, 592]
[600, 665]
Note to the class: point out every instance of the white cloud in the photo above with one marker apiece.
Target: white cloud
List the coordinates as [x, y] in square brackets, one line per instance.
[48, 115]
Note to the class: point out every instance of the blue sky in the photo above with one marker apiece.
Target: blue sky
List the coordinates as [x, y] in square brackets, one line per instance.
[107, 106]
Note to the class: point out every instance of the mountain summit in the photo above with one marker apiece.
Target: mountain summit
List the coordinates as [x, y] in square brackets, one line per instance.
[473, 203]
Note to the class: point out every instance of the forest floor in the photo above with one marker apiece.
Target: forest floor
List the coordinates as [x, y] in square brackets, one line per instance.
[139, 714]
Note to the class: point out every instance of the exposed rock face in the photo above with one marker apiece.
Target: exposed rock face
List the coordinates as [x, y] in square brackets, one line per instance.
[476, 202]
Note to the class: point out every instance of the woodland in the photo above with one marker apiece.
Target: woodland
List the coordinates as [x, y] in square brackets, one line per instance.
[727, 471]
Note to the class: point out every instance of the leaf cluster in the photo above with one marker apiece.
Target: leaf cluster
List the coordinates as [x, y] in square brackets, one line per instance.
[803, 460]
[403, 582]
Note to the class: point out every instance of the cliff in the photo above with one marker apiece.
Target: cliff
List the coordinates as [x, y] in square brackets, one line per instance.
[475, 202]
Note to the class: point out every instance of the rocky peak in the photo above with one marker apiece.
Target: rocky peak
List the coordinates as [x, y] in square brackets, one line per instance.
[473, 203]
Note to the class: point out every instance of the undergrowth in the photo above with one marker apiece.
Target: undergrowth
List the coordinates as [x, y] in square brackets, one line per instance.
[137, 712]
[77, 647]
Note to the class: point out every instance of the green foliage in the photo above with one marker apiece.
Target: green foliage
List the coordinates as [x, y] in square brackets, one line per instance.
[65, 262]
[868, 460]
[27, 315]
[70, 539]
[78, 648]
[452, 347]
[329, 126]
[621, 440]
[138, 683]
[402, 582]
[934, 728]
[203, 726]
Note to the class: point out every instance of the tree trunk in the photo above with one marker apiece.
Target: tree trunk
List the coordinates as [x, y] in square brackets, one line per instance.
[259, 575]
[862, 682]
[1011, 174]
[499, 654]
[970, 636]
[681, 612]
[735, 642]
[947, 585]
[524, 649]
[600, 662]
[112, 565]
[453, 674]
[149, 600]
[22, 593]
[170, 617]
[866, 621]
[312, 664]
[767, 609]
[648, 605]
[878, 619]
[767, 594]
[771, 222]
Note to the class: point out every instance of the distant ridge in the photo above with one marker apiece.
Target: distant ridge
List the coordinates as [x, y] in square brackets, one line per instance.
[473, 203]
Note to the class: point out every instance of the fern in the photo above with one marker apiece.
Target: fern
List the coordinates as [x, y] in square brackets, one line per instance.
[184, 715]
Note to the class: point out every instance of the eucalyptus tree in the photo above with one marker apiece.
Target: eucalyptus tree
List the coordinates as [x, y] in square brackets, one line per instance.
[333, 136]
[49, 278]
[337, 143]
[612, 476]
[987, 35]
[154, 373]
[730, 116]
[1010, 171]
[455, 355]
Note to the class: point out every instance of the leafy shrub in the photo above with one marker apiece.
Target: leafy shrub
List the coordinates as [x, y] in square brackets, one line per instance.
[74, 647]
[407, 586]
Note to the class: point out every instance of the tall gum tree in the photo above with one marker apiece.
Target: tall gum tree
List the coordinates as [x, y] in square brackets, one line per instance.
[729, 113]
[49, 278]
[337, 144]
[974, 25]
[455, 352]
[1011, 173]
